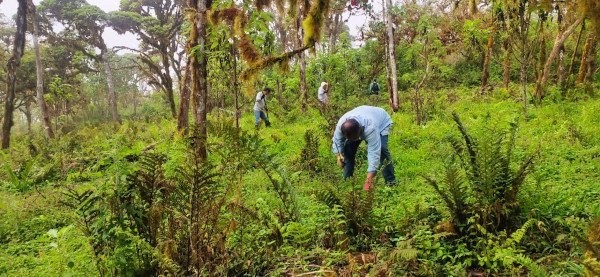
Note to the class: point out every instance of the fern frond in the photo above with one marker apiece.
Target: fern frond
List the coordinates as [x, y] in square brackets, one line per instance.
[517, 236]
[328, 196]
[470, 145]
[404, 254]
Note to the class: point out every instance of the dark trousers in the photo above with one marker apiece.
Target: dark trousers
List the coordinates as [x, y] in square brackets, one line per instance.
[350, 149]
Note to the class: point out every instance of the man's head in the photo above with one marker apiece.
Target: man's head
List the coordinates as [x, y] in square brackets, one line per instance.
[267, 90]
[374, 80]
[351, 129]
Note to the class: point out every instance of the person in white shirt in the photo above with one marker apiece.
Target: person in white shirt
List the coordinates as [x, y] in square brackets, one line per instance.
[371, 124]
[260, 107]
[323, 94]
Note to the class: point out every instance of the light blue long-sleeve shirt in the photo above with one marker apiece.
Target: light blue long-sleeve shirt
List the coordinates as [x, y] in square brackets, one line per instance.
[376, 122]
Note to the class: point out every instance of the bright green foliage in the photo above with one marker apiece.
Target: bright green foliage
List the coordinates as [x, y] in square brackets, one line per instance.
[309, 156]
[487, 197]
[136, 200]
[128, 191]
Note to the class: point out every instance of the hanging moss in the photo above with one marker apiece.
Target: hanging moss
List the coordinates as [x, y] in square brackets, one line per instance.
[227, 15]
[280, 5]
[284, 65]
[237, 20]
[591, 10]
[293, 8]
[261, 4]
[269, 61]
[313, 23]
[248, 50]
[546, 5]
[239, 23]
[473, 7]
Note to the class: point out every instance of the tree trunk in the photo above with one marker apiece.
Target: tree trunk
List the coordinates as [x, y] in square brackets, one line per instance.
[302, 61]
[200, 80]
[584, 57]
[392, 58]
[46, 119]
[112, 95]
[11, 72]
[570, 71]
[523, 30]
[523, 77]
[561, 66]
[282, 34]
[134, 101]
[591, 66]
[334, 32]
[506, 63]
[558, 42]
[303, 90]
[473, 7]
[486, 62]
[197, 40]
[168, 82]
[420, 113]
[540, 41]
[184, 101]
[27, 112]
[235, 86]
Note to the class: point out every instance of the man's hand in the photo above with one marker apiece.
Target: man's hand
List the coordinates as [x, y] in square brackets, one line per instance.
[340, 160]
[369, 182]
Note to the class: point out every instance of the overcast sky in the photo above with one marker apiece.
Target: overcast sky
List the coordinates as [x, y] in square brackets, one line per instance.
[9, 8]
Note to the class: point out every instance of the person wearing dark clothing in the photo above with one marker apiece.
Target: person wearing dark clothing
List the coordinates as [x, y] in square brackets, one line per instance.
[374, 87]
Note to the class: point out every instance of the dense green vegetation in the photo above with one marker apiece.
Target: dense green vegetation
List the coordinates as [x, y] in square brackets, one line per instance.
[495, 142]
[306, 218]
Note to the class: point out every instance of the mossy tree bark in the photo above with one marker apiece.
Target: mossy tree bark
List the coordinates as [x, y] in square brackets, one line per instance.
[570, 70]
[199, 75]
[46, 118]
[302, 62]
[112, 96]
[587, 49]
[391, 51]
[184, 98]
[11, 72]
[561, 37]
[506, 63]
[485, 75]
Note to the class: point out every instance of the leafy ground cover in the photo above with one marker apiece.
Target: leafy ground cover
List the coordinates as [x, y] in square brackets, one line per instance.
[105, 200]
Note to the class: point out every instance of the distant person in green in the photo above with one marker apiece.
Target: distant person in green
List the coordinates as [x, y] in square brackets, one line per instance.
[374, 87]
[260, 107]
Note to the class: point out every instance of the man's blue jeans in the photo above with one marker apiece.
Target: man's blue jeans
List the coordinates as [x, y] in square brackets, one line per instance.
[350, 149]
[258, 115]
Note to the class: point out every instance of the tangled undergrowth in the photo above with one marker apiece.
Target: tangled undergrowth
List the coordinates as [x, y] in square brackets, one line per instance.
[138, 201]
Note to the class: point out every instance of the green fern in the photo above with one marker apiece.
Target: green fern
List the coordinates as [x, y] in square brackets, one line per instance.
[143, 195]
[404, 252]
[309, 155]
[329, 196]
[487, 194]
[509, 256]
[517, 236]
